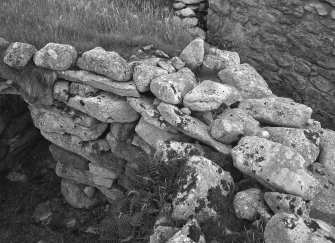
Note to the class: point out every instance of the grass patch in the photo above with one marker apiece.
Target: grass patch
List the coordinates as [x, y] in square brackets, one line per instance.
[117, 25]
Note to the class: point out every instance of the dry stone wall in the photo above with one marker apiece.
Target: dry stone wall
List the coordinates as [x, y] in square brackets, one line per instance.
[105, 115]
[291, 44]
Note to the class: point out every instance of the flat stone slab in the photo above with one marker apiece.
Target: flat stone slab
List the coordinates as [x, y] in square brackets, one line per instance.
[100, 82]
[276, 166]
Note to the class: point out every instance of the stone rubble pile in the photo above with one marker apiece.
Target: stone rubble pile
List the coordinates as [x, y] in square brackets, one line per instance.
[109, 114]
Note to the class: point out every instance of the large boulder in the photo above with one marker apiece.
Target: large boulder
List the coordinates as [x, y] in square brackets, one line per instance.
[209, 95]
[108, 63]
[201, 186]
[19, 54]
[193, 54]
[276, 166]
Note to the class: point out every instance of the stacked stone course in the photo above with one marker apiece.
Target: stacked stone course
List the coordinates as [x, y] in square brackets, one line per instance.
[109, 114]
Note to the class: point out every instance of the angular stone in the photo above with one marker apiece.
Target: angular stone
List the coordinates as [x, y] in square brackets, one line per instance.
[179, 5]
[191, 232]
[190, 126]
[74, 194]
[102, 176]
[220, 60]
[172, 88]
[167, 66]
[250, 125]
[177, 63]
[197, 32]
[288, 203]
[323, 207]
[246, 79]
[192, 198]
[149, 113]
[19, 54]
[304, 141]
[193, 54]
[144, 74]
[275, 112]
[327, 146]
[187, 12]
[290, 228]
[247, 204]
[56, 57]
[100, 82]
[112, 194]
[108, 63]
[61, 121]
[209, 95]
[276, 166]
[190, 22]
[105, 107]
[151, 134]
[61, 91]
[83, 90]
[226, 131]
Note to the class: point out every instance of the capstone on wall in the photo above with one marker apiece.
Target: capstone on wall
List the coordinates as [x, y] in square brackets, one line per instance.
[290, 42]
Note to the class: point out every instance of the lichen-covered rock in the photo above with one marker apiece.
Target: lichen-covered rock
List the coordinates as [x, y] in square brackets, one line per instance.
[56, 57]
[149, 113]
[177, 63]
[288, 203]
[105, 107]
[290, 228]
[152, 134]
[190, 126]
[323, 206]
[108, 63]
[248, 204]
[83, 90]
[277, 112]
[246, 79]
[201, 185]
[172, 88]
[167, 66]
[226, 131]
[61, 91]
[209, 95]
[220, 60]
[74, 194]
[304, 141]
[327, 146]
[191, 232]
[276, 166]
[144, 74]
[250, 125]
[193, 54]
[167, 151]
[66, 121]
[18, 54]
[164, 229]
[187, 12]
[100, 82]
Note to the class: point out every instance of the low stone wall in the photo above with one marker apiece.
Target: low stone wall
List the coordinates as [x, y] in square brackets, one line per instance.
[105, 116]
[291, 43]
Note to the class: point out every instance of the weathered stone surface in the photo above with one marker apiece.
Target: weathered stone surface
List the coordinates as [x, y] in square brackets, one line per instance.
[190, 126]
[102, 176]
[100, 82]
[193, 54]
[62, 121]
[190, 1]
[247, 204]
[56, 57]
[105, 107]
[288, 203]
[179, 5]
[144, 74]
[149, 113]
[152, 134]
[19, 54]
[167, 66]
[74, 194]
[323, 206]
[250, 125]
[209, 95]
[187, 12]
[220, 60]
[226, 131]
[191, 232]
[108, 63]
[172, 88]
[275, 166]
[177, 63]
[246, 79]
[276, 112]
[327, 146]
[304, 141]
[112, 194]
[61, 91]
[68, 158]
[290, 228]
[192, 197]
[83, 90]
[190, 22]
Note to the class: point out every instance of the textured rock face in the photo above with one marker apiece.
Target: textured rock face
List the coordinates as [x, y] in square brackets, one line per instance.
[193, 54]
[19, 54]
[291, 44]
[144, 74]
